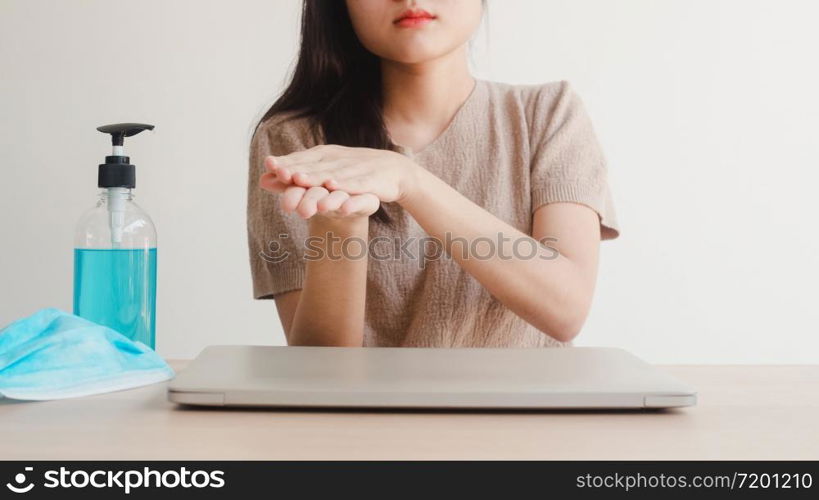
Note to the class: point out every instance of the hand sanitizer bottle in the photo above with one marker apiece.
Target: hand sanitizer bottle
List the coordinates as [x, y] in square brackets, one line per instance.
[115, 250]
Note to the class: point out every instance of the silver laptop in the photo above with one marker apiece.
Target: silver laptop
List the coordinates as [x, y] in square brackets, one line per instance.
[407, 377]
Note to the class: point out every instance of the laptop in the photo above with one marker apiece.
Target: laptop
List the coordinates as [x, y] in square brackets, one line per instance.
[426, 378]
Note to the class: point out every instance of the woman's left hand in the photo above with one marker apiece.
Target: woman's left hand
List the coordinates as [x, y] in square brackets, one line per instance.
[387, 174]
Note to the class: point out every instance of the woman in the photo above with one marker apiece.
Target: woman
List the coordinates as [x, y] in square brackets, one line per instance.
[482, 204]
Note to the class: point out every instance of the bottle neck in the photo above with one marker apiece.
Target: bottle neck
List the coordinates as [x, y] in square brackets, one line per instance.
[105, 194]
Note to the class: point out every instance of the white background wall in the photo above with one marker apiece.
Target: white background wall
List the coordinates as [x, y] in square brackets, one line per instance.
[707, 110]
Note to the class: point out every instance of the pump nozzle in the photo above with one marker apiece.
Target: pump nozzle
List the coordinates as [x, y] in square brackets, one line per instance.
[119, 131]
[117, 175]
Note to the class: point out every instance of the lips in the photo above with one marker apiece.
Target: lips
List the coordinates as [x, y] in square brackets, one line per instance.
[411, 18]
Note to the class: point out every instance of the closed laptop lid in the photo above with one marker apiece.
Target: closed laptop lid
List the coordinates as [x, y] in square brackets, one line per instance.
[572, 377]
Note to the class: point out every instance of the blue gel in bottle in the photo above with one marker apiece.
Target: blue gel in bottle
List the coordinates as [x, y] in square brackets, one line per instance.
[117, 288]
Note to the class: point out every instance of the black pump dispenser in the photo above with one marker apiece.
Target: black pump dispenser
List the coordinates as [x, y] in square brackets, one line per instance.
[117, 171]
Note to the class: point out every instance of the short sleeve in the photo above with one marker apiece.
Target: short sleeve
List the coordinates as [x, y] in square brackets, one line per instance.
[275, 238]
[567, 162]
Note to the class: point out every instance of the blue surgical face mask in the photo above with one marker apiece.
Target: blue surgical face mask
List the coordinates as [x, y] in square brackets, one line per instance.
[53, 355]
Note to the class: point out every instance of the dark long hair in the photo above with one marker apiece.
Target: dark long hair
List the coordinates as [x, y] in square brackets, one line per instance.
[336, 82]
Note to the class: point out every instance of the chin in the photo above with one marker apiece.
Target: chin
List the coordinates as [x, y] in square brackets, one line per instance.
[416, 53]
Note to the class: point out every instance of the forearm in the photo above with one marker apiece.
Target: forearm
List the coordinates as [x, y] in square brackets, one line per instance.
[330, 310]
[548, 289]
[539, 284]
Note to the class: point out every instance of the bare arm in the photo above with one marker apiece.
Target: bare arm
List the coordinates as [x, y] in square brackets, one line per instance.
[552, 290]
[329, 309]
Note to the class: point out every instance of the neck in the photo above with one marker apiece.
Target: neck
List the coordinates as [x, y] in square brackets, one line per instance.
[421, 99]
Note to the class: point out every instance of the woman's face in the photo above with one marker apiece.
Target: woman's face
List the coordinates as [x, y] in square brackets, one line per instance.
[414, 31]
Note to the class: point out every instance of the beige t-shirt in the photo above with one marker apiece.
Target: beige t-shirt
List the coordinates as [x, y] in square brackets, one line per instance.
[510, 149]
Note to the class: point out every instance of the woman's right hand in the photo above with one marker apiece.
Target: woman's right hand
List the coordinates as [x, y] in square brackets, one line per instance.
[307, 202]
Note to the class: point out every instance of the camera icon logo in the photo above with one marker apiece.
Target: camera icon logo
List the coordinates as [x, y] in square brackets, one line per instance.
[20, 478]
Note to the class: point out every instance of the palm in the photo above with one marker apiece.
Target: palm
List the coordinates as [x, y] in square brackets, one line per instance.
[309, 201]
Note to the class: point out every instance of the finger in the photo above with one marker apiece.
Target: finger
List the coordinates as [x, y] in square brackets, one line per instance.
[269, 182]
[365, 204]
[316, 174]
[283, 174]
[308, 204]
[269, 163]
[283, 166]
[291, 198]
[311, 179]
[332, 202]
[332, 178]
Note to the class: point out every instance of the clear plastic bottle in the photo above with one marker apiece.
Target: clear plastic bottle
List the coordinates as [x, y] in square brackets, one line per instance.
[115, 252]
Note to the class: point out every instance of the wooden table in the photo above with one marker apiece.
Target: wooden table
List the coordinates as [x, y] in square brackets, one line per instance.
[744, 412]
